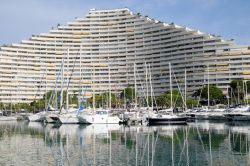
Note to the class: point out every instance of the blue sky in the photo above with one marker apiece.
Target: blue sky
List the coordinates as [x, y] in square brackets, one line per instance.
[228, 18]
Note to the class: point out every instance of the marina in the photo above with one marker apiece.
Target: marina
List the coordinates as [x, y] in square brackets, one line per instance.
[118, 87]
[142, 117]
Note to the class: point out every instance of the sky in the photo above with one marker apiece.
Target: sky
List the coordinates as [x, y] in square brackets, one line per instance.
[228, 18]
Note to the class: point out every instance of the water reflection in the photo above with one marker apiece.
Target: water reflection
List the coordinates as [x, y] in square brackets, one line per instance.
[198, 143]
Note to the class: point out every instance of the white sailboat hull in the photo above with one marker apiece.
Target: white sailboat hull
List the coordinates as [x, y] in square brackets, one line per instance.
[52, 118]
[99, 119]
[37, 117]
[68, 119]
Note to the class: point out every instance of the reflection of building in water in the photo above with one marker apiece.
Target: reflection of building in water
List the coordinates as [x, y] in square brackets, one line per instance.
[30, 144]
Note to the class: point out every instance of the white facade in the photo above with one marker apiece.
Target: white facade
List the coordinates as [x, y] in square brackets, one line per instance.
[118, 39]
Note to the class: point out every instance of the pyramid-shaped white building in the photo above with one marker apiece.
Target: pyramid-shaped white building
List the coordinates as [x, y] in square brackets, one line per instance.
[118, 44]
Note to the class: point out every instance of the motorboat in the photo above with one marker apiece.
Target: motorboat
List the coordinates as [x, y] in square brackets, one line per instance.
[100, 116]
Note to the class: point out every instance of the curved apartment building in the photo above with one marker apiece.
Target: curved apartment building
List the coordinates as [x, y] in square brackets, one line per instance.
[110, 48]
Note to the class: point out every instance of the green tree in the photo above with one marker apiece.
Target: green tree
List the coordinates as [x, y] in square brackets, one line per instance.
[73, 99]
[102, 100]
[129, 93]
[192, 103]
[161, 100]
[237, 88]
[215, 94]
[164, 100]
[1, 106]
[37, 106]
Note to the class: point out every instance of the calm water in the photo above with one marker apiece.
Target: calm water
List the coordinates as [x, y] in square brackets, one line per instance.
[199, 143]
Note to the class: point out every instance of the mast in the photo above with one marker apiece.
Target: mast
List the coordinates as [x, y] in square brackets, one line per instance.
[62, 80]
[109, 89]
[185, 89]
[124, 96]
[238, 91]
[146, 84]
[208, 91]
[227, 97]
[246, 92]
[93, 97]
[46, 102]
[10, 101]
[170, 82]
[81, 91]
[55, 102]
[151, 88]
[67, 92]
[135, 85]
[243, 89]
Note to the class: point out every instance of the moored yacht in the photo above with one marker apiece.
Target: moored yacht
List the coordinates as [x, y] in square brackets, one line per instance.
[237, 116]
[69, 117]
[167, 116]
[241, 113]
[52, 117]
[242, 108]
[101, 116]
[38, 117]
[167, 119]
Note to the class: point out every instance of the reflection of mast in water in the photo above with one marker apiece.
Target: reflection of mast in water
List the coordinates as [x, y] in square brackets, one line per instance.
[239, 141]
[152, 151]
[172, 147]
[154, 145]
[136, 147]
[148, 146]
[67, 148]
[187, 144]
[210, 150]
[93, 148]
[202, 143]
[110, 152]
[61, 150]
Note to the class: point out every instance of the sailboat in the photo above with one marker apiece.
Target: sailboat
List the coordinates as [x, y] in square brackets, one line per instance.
[136, 113]
[171, 118]
[52, 116]
[52, 113]
[38, 117]
[207, 112]
[7, 117]
[69, 115]
[100, 116]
